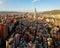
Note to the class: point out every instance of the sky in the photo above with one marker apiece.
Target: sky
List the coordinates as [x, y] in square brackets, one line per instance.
[29, 5]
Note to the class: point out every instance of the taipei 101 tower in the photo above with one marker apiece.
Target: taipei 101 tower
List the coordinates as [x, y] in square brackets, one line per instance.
[35, 14]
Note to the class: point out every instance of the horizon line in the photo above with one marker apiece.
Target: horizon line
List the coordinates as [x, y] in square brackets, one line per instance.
[27, 11]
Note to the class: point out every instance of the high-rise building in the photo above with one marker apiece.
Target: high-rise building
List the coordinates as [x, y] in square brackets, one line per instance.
[3, 31]
[35, 14]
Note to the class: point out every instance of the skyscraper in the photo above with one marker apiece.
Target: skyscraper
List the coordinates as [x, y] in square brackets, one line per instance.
[35, 14]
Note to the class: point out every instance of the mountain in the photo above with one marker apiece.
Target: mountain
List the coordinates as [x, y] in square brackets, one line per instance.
[8, 12]
[45, 12]
[52, 12]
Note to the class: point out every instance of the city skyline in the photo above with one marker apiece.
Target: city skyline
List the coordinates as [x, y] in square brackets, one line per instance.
[29, 5]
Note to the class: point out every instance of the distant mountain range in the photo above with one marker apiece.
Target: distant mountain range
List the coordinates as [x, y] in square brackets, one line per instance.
[45, 12]
[7, 12]
[52, 12]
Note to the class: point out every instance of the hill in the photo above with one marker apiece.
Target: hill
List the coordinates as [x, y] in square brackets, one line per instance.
[52, 12]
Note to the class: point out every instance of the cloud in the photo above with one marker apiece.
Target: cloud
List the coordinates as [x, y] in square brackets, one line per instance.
[1, 2]
[35, 0]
